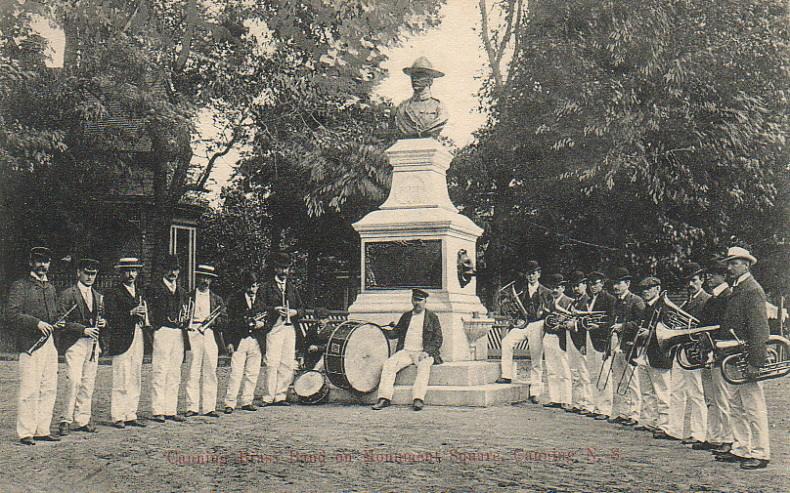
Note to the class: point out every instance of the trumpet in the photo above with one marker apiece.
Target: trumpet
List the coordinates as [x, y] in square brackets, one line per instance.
[210, 320]
[734, 365]
[146, 321]
[43, 339]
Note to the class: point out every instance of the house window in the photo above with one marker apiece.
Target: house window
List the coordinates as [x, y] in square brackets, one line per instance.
[183, 241]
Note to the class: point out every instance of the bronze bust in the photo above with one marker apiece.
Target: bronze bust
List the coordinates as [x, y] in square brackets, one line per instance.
[421, 115]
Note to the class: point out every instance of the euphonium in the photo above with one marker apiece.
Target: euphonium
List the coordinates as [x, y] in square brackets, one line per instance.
[733, 366]
[510, 305]
[556, 319]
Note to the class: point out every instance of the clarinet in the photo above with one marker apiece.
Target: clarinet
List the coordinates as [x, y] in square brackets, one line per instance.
[99, 313]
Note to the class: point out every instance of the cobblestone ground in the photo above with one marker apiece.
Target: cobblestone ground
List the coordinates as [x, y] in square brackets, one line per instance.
[351, 448]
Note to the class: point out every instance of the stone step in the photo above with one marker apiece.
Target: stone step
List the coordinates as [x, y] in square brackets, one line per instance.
[445, 395]
[455, 373]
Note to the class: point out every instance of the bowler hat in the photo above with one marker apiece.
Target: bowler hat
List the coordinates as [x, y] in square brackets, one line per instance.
[129, 263]
[621, 274]
[717, 266]
[422, 66]
[280, 259]
[249, 278]
[692, 269]
[419, 294]
[649, 282]
[554, 280]
[205, 270]
[40, 252]
[741, 253]
[171, 262]
[531, 266]
[576, 277]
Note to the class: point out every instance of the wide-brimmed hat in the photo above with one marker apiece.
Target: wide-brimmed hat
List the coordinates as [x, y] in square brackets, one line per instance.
[40, 252]
[419, 294]
[554, 280]
[129, 263]
[649, 282]
[738, 252]
[205, 270]
[171, 262]
[280, 259]
[422, 66]
[621, 274]
[692, 269]
[86, 263]
[576, 277]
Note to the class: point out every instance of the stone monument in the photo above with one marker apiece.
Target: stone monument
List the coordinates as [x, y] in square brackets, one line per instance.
[417, 238]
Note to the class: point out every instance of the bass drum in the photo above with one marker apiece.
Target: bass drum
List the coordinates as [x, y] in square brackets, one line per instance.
[311, 387]
[355, 354]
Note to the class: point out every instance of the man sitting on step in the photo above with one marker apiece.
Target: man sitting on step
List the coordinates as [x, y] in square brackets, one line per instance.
[419, 337]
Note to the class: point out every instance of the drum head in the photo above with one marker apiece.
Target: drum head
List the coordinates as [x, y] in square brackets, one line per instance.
[365, 353]
[309, 383]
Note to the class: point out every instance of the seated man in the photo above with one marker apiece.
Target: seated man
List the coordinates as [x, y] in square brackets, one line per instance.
[313, 353]
[419, 341]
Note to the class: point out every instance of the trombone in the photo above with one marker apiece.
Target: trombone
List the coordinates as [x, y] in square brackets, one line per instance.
[639, 347]
[613, 340]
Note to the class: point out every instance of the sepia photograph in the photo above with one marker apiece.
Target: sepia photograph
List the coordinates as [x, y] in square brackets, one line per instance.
[385, 246]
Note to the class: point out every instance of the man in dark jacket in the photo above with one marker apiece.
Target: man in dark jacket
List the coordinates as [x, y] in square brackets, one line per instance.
[576, 348]
[419, 337]
[79, 342]
[32, 313]
[127, 318]
[597, 342]
[558, 372]
[746, 316]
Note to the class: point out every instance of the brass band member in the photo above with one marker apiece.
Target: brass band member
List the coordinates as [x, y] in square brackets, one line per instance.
[419, 337]
[282, 301]
[79, 341]
[746, 316]
[204, 343]
[244, 337]
[32, 314]
[627, 312]
[313, 352]
[558, 373]
[576, 344]
[658, 374]
[127, 318]
[166, 308]
[597, 342]
[536, 298]
[687, 384]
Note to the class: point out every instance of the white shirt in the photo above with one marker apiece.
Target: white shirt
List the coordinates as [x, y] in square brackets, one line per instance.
[720, 289]
[131, 289]
[86, 295]
[202, 306]
[171, 286]
[413, 341]
[532, 289]
[741, 279]
[42, 278]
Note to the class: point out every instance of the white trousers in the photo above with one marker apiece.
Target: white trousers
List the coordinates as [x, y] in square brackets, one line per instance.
[749, 421]
[280, 362]
[581, 393]
[166, 371]
[202, 380]
[245, 366]
[396, 363]
[127, 380]
[602, 395]
[720, 411]
[38, 385]
[628, 400]
[687, 392]
[80, 382]
[558, 373]
[648, 403]
[533, 333]
[660, 381]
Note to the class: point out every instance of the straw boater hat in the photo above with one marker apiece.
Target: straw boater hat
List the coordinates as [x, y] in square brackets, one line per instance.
[205, 270]
[129, 263]
[742, 253]
[422, 66]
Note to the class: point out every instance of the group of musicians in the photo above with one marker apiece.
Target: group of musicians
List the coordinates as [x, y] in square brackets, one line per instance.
[82, 324]
[615, 369]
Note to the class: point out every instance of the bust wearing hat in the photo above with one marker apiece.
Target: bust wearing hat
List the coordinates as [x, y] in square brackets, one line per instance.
[419, 336]
[421, 115]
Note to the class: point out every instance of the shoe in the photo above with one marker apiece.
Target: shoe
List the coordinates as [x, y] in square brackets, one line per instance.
[249, 407]
[212, 414]
[552, 404]
[47, 438]
[189, 414]
[584, 412]
[693, 443]
[176, 417]
[266, 404]
[281, 403]
[27, 441]
[643, 428]
[418, 404]
[90, 427]
[135, 423]
[503, 380]
[567, 408]
[704, 446]
[64, 429]
[661, 435]
[119, 424]
[158, 418]
[601, 417]
[630, 422]
[229, 410]
[532, 400]
[754, 464]
[381, 404]
[722, 449]
[729, 457]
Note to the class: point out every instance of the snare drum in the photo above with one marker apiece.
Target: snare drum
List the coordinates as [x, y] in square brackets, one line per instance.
[311, 387]
[354, 355]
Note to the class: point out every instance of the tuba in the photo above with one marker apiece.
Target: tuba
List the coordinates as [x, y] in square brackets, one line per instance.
[511, 306]
[733, 366]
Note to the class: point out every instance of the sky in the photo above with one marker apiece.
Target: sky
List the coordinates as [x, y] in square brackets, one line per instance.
[454, 47]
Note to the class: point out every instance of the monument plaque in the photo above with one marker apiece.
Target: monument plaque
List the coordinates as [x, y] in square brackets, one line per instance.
[403, 264]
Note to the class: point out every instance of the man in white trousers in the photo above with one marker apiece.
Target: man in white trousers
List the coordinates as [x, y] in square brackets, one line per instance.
[576, 346]
[598, 359]
[282, 302]
[536, 298]
[127, 319]
[243, 337]
[32, 314]
[419, 337]
[168, 312]
[209, 317]
[558, 372]
[79, 342]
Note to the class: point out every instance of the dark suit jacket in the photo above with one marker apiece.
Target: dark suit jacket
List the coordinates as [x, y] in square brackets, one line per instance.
[431, 334]
[78, 319]
[240, 318]
[120, 324]
[579, 337]
[272, 297]
[696, 305]
[215, 301]
[164, 306]
[746, 315]
[628, 311]
[656, 358]
[713, 314]
[603, 302]
[30, 301]
[564, 302]
[538, 305]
